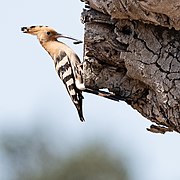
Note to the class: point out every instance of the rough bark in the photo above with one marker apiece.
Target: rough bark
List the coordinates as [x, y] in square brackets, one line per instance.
[132, 48]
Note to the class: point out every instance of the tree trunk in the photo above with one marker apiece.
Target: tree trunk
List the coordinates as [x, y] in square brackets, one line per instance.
[132, 48]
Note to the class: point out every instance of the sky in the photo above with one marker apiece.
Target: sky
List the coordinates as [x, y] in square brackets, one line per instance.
[30, 89]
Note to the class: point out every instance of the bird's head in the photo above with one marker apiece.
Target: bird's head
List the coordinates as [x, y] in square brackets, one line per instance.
[45, 33]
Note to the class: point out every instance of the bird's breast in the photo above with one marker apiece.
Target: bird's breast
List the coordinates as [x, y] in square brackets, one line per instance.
[53, 48]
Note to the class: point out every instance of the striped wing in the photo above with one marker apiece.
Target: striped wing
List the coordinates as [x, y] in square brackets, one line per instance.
[65, 72]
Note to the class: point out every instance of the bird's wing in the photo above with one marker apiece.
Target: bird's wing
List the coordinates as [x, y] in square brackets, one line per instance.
[104, 94]
[77, 71]
[65, 71]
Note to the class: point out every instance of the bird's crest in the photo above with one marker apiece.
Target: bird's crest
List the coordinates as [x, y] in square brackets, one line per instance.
[34, 30]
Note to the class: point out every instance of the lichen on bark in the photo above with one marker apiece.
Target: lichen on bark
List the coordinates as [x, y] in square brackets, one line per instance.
[137, 61]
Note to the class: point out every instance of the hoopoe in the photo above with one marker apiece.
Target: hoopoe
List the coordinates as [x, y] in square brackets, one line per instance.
[67, 64]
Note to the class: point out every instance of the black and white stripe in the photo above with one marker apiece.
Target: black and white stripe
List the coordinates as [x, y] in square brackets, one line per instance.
[65, 72]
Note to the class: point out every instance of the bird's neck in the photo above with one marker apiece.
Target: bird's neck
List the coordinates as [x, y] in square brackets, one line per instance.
[52, 47]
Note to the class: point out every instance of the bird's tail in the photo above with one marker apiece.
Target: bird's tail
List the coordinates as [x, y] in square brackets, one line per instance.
[104, 94]
[80, 113]
[79, 106]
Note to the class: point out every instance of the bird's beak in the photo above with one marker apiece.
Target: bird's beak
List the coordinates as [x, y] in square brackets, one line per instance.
[68, 37]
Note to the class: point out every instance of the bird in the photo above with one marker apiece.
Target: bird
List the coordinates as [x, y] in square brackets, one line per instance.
[67, 64]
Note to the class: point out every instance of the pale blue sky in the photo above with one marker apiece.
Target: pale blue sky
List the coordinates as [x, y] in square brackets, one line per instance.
[30, 88]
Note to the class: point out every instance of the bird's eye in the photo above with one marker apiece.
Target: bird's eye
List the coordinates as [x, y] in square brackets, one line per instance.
[48, 33]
